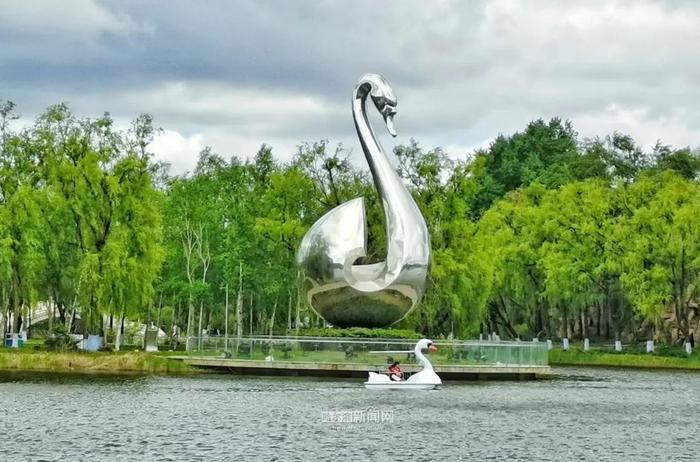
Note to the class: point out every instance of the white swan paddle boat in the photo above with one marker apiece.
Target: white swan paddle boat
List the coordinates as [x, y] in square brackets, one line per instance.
[425, 379]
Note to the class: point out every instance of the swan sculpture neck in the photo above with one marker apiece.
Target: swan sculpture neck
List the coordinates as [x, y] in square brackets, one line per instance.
[406, 229]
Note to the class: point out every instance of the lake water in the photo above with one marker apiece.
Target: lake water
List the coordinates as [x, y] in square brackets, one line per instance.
[582, 414]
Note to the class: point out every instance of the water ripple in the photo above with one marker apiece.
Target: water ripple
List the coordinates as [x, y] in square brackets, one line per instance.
[585, 414]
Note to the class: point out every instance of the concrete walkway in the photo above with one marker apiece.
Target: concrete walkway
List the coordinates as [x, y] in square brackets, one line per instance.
[359, 370]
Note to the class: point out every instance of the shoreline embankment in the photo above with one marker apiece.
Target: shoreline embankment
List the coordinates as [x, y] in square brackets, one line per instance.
[139, 362]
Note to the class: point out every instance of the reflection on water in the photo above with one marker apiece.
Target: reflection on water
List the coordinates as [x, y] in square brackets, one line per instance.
[583, 414]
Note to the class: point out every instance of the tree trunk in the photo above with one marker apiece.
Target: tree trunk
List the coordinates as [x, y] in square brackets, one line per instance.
[71, 326]
[683, 320]
[119, 332]
[536, 321]
[173, 325]
[239, 317]
[16, 316]
[504, 321]
[239, 306]
[617, 322]
[188, 243]
[226, 321]
[160, 306]
[199, 332]
[251, 314]
[19, 321]
[61, 312]
[51, 313]
[261, 322]
[272, 318]
[30, 316]
[190, 319]
[564, 323]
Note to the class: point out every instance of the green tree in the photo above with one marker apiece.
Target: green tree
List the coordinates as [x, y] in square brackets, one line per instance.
[542, 153]
[662, 246]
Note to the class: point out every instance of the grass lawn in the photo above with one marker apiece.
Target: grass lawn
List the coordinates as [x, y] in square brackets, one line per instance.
[118, 362]
[578, 357]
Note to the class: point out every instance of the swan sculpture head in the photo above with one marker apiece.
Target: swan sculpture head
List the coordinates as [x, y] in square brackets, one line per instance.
[377, 294]
[382, 96]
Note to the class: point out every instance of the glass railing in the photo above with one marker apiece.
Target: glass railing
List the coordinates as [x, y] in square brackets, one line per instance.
[370, 351]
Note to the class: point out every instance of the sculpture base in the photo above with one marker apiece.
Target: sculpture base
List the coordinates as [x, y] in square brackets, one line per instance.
[347, 307]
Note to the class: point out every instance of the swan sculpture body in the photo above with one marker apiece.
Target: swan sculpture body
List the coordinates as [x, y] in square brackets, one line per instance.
[378, 294]
[426, 379]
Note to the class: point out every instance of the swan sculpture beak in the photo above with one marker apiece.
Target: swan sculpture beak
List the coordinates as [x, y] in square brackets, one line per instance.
[389, 121]
[432, 348]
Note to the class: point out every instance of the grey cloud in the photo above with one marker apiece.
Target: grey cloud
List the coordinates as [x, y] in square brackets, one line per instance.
[463, 71]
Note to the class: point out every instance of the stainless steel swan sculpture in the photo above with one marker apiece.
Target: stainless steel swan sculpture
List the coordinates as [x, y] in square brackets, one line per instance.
[378, 294]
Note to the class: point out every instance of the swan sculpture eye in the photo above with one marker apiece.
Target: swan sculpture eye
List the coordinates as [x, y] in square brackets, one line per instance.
[389, 110]
[381, 103]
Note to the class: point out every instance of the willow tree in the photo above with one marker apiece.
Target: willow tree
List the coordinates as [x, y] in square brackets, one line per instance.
[460, 274]
[111, 214]
[27, 259]
[461, 268]
[578, 256]
[23, 201]
[513, 230]
[661, 265]
[5, 269]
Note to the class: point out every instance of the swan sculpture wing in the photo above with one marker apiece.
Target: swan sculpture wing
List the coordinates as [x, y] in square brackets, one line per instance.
[379, 294]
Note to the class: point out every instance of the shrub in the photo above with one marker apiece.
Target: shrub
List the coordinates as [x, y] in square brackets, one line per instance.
[59, 339]
[670, 351]
[286, 349]
[523, 331]
[350, 352]
[244, 349]
[360, 332]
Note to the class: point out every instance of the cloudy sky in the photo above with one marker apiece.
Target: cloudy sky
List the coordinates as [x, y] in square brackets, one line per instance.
[235, 74]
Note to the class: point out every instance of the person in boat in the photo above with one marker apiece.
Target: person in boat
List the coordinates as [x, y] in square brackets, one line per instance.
[395, 372]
